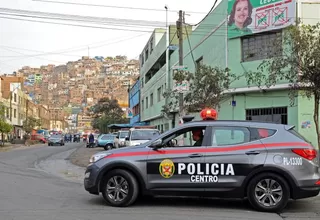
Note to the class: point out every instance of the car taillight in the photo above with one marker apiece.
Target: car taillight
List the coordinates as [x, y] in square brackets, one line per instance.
[318, 183]
[308, 154]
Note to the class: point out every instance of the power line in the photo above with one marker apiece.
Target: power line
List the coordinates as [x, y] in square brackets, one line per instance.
[35, 57]
[113, 6]
[195, 33]
[190, 45]
[75, 20]
[77, 25]
[92, 18]
[60, 52]
[214, 4]
[76, 48]
[111, 43]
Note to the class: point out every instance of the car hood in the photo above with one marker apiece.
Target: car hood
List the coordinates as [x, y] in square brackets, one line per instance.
[137, 142]
[127, 149]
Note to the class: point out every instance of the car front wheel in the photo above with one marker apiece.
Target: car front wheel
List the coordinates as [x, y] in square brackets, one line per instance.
[120, 188]
[108, 147]
[268, 192]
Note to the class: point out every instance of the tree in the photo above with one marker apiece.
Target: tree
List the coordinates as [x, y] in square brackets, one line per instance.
[107, 112]
[4, 126]
[30, 123]
[297, 61]
[206, 89]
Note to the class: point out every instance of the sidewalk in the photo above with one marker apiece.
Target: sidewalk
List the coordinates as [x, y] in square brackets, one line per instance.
[10, 147]
[82, 155]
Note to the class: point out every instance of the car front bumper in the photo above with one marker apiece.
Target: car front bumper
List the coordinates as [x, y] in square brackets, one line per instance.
[91, 183]
[55, 143]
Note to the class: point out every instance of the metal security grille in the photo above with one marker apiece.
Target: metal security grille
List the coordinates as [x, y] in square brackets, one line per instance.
[262, 46]
[277, 115]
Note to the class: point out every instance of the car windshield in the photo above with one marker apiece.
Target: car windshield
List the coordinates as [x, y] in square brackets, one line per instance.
[56, 137]
[123, 134]
[144, 134]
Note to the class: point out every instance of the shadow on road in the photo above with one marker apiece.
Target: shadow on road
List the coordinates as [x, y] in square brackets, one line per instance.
[300, 206]
[182, 202]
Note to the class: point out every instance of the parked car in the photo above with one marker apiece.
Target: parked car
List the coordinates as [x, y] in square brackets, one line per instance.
[106, 141]
[265, 162]
[138, 136]
[56, 139]
[39, 137]
[119, 141]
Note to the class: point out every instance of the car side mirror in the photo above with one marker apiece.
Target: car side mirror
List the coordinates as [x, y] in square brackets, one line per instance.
[127, 138]
[117, 137]
[156, 144]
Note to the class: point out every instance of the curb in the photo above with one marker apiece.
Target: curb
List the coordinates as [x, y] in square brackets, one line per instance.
[19, 147]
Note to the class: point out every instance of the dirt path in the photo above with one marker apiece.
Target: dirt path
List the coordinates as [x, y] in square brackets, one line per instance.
[81, 156]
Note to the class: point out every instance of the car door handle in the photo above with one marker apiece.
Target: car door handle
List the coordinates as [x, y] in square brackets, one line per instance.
[195, 155]
[252, 152]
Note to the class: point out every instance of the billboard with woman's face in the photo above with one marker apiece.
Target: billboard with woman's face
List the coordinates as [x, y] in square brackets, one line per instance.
[255, 16]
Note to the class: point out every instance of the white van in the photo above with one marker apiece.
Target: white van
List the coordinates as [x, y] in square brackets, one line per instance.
[138, 136]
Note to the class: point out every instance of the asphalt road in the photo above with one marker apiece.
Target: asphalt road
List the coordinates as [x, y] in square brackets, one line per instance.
[40, 183]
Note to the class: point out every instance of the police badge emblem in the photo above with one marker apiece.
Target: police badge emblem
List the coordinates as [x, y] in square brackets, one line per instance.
[166, 168]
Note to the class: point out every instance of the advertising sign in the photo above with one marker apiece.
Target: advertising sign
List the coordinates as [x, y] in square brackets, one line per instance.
[256, 16]
[15, 86]
[129, 113]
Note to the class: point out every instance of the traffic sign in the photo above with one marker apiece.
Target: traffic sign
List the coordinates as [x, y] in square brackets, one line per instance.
[180, 68]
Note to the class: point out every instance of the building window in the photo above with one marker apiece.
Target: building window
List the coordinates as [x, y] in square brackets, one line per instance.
[166, 127]
[199, 63]
[147, 54]
[15, 97]
[159, 93]
[262, 46]
[142, 60]
[146, 102]
[151, 45]
[15, 113]
[277, 115]
[151, 99]
[8, 112]
[136, 110]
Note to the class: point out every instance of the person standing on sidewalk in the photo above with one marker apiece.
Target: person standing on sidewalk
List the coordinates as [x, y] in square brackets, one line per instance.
[91, 140]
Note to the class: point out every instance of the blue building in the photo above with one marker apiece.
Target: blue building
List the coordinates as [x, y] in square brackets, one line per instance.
[134, 102]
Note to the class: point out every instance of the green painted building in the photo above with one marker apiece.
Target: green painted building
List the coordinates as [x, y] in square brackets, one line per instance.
[219, 42]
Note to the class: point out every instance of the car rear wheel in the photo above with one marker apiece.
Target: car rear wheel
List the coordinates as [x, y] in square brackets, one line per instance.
[120, 188]
[108, 147]
[268, 192]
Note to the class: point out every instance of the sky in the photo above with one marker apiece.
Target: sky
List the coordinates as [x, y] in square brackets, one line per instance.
[25, 43]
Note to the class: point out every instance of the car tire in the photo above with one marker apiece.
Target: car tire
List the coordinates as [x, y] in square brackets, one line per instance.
[274, 187]
[130, 185]
[108, 147]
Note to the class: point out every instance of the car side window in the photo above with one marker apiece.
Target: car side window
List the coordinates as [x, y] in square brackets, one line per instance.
[186, 137]
[105, 137]
[223, 136]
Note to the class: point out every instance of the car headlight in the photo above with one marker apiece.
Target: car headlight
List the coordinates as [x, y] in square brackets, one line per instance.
[98, 156]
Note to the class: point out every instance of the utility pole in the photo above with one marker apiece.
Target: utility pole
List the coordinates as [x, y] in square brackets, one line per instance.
[180, 26]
